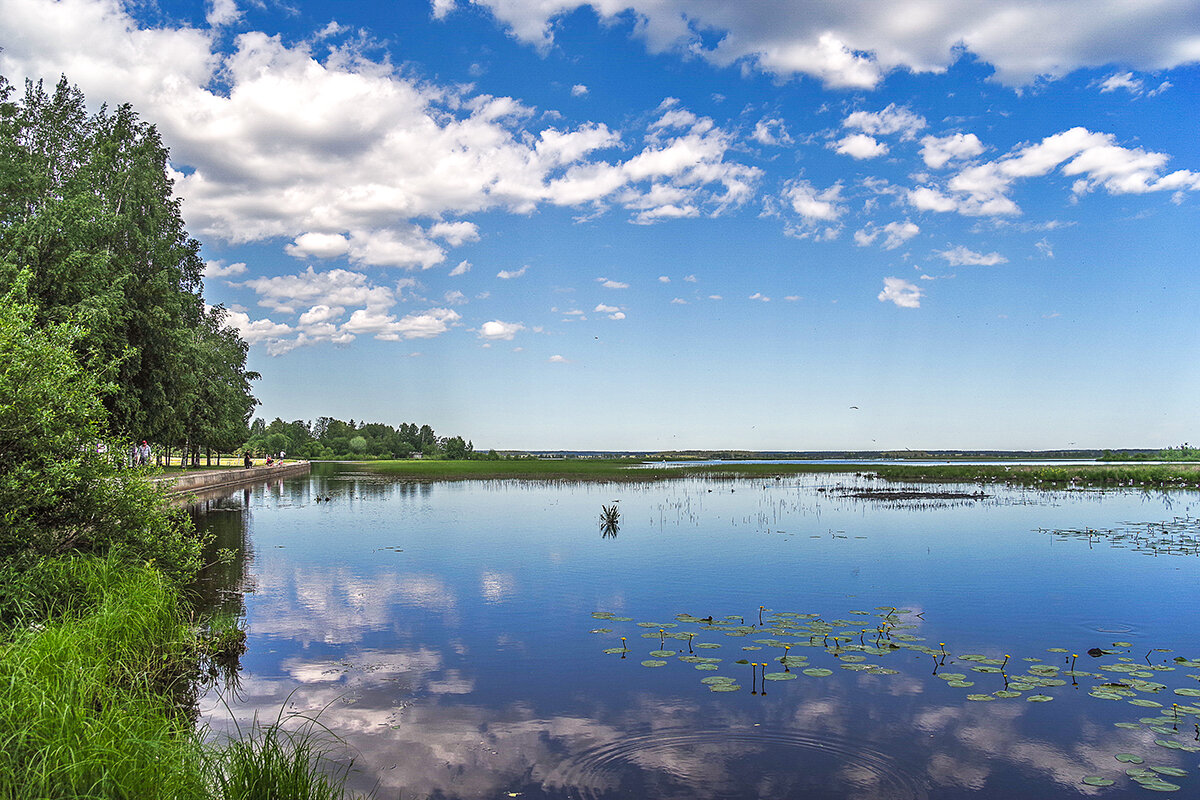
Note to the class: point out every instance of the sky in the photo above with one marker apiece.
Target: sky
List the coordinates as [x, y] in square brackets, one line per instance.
[672, 224]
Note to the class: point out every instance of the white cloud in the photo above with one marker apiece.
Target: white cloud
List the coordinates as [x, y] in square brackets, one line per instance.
[498, 330]
[962, 256]
[771, 132]
[689, 278]
[894, 234]
[579, 90]
[849, 44]
[507, 275]
[603, 309]
[611, 284]
[440, 8]
[455, 233]
[760, 297]
[320, 313]
[791, 298]
[663, 279]
[222, 13]
[462, 269]
[678, 301]
[218, 269]
[558, 360]
[715, 297]
[319, 245]
[893, 119]
[1045, 248]
[454, 298]
[426, 325]
[814, 207]
[937, 151]
[900, 292]
[860, 146]
[1122, 80]
[618, 315]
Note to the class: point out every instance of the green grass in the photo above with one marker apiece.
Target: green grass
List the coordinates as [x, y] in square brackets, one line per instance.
[628, 470]
[98, 668]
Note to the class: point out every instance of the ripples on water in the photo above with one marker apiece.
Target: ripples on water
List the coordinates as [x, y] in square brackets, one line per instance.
[442, 630]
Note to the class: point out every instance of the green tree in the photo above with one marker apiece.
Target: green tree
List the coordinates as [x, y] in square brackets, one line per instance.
[63, 486]
[87, 210]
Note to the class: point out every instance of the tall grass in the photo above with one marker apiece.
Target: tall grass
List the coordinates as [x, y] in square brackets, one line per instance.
[97, 683]
[89, 698]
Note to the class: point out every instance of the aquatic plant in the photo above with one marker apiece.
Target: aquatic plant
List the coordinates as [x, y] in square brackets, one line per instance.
[610, 520]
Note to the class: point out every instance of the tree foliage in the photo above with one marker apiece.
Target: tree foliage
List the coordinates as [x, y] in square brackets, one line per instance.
[87, 211]
[334, 438]
[63, 486]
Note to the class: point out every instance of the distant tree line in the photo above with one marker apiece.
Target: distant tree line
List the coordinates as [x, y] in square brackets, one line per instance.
[330, 438]
[1183, 452]
[91, 237]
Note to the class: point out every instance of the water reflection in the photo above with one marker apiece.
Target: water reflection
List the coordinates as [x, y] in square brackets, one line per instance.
[443, 631]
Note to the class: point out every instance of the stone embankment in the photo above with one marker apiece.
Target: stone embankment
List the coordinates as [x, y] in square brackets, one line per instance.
[191, 482]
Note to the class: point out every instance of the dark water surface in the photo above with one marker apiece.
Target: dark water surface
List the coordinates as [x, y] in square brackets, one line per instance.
[445, 632]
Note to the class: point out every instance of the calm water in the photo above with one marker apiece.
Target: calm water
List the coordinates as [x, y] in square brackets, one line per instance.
[445, 633]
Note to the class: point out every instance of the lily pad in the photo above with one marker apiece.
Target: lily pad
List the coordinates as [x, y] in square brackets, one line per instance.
[724, 687]
[980, 697]
[1096, 780]
[707, 667]
[654, 662]
[780, 676]
[601, 630]
[818, 672]
[1129, 758]
[1174, 772]
[662, 653]
[1039, 698]
[1139, 701]
[711, 679]
[1188, 692]
[1006, 693]
[612, 650]
[960, 684]
[708, 646]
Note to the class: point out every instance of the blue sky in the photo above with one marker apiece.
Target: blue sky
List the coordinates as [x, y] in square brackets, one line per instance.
[653, 224]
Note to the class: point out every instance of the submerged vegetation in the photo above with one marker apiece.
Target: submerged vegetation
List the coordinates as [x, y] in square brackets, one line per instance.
[1162, 688]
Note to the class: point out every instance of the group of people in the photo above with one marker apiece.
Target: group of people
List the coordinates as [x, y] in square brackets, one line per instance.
[141, 454]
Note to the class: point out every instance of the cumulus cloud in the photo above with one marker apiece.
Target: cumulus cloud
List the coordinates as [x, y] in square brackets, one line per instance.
[891, 120]
[678, 301]
[558, 360]
[218, 269]
[346, 157]
[496, 330]
[894, 234]
[938, 151]
[816, 211]
[663, 279]
[579, 90]
[762, 298]
[846, 45]
[860, 146]
[771, 132]
[901, 292]
[611, 284]
[506, 274]
[222, 12]
[462, 269]
[1095, 160]
[962, 256]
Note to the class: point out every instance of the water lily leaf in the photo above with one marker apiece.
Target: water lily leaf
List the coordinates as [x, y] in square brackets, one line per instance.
[818, 672]
[708, 646]
[1128, 726]
[1096, 780]
[884, 671]
[960, 684]
[1103, 695]
[780, 676]
[621, 619]
[1188, 692]
[662, 653]
[853, 659]
[751, 647]
[724, 687]
[1174, 772]
[654, 662]
[1122, 644]
[1128, 758]
[1039, 698]
[706, 667]
[601, 630]
[1006, 693]
[1170, 744]
[1141, 773]
[952, 676]
[612, 650]
[980, 697]
[602, 615]
[1057, 650]
[718, 679]
[1018, 686]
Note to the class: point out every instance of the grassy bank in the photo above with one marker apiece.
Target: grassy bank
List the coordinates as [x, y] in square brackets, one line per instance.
[630, 470]
[97, 687]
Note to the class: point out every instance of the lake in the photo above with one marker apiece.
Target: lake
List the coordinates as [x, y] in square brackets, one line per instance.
[454, 636]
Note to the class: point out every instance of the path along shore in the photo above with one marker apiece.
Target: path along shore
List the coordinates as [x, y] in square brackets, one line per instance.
[184, 483]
